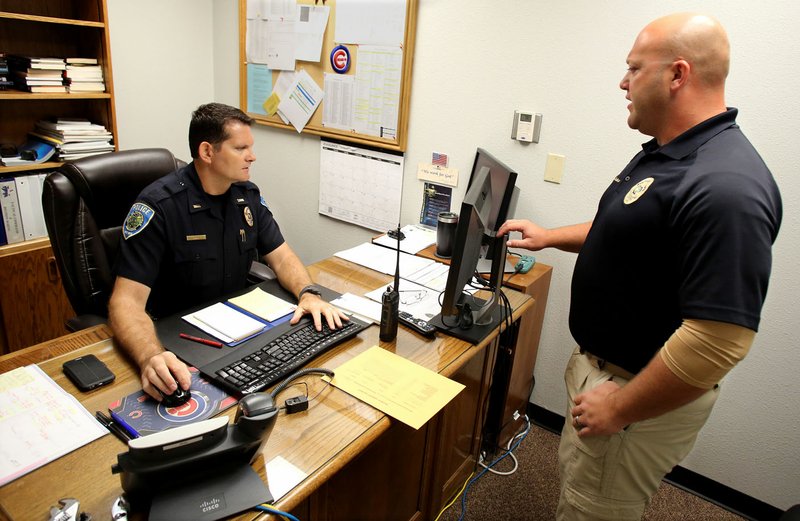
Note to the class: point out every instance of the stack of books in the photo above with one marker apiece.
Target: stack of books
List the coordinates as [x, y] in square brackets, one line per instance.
[74, 138]
[5, 78]
[84, 75]
[34, 74]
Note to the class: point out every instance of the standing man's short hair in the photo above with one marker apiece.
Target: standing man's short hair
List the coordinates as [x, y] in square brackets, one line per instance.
[209, 122]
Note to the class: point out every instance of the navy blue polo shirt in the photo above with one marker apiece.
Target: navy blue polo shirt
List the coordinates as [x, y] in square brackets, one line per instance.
[685, 231]
[189, 247]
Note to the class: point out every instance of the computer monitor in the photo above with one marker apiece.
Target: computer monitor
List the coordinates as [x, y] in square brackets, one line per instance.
[504, 199]
[463, 315]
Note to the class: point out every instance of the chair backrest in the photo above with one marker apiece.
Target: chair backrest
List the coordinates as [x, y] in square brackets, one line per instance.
[85, 203]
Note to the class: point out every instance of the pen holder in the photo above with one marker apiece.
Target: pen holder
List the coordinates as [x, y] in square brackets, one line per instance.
[445, 234]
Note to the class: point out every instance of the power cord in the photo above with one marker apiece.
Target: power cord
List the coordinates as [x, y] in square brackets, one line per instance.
[272, 510]
[455, 496]
[488, 468]
[299, 403]
[521, 434]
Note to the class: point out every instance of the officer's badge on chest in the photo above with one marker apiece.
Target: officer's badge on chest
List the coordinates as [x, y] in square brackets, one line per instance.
[248, 216]
[138, 218]
[637, 191]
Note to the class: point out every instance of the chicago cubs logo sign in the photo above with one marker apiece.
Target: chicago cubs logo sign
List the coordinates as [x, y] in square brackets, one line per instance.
[340, 59]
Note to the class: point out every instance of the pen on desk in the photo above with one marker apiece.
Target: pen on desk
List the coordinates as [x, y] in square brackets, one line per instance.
[112, 426]
[212, 343]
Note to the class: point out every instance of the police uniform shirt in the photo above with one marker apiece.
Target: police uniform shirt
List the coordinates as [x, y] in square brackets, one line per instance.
[685, 231]
[189, 247]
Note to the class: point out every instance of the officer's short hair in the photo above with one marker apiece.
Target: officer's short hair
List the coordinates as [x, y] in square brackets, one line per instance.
[208, 124]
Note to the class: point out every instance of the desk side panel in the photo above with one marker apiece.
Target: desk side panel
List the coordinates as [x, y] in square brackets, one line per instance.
[384, 482]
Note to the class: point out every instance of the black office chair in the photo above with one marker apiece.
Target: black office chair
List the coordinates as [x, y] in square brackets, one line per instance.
[85, 203]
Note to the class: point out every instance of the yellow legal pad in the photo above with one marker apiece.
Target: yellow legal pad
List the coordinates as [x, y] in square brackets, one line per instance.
[263, 304]
[396, 386]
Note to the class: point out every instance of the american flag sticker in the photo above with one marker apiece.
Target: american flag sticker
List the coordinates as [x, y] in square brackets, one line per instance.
[439, 159]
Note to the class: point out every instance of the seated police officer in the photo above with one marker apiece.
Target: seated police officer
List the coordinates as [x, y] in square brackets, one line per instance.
[191, 236]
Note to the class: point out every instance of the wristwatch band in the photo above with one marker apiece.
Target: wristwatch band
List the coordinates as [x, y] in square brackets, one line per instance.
[311, 288]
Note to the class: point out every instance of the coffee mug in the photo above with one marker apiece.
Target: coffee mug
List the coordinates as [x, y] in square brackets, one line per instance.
[446, 234]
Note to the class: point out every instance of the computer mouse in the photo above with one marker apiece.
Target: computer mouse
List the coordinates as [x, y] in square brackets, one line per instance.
[177, 398]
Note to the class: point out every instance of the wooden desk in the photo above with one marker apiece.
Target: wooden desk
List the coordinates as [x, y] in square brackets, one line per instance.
[514, 369]
[358, 463]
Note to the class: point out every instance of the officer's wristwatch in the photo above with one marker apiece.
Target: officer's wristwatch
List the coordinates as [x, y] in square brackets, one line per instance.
[311, 288]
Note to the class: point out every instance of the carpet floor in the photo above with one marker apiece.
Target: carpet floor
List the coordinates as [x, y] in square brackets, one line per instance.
[531, 493]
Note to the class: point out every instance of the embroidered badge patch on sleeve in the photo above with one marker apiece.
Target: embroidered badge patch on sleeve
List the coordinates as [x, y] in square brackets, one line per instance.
[137, 220]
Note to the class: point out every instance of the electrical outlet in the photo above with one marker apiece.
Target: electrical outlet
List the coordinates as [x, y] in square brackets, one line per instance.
[554, 169]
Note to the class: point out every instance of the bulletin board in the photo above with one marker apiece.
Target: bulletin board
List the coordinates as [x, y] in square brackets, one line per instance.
[346, 111]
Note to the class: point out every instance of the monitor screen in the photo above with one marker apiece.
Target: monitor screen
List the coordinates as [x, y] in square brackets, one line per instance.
[467, 244]
[504, 199]
[462, 315]
[503, 181]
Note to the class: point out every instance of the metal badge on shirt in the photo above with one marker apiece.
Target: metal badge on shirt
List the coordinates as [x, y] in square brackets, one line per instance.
[138, 218]
[248, 216]
[638, 190]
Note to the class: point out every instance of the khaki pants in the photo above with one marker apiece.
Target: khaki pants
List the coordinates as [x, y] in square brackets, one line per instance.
[613, 477]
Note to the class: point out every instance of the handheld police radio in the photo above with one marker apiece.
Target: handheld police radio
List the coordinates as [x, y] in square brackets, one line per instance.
[390, 302]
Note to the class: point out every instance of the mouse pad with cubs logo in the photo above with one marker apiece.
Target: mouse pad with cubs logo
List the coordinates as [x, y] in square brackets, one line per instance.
[141, 415]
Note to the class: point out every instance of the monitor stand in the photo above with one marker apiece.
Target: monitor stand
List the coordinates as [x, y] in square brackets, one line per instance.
[487, 314]
[475, 333]
[485, 266]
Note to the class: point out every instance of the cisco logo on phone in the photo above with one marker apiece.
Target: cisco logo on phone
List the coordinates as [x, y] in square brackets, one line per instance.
[212, 504]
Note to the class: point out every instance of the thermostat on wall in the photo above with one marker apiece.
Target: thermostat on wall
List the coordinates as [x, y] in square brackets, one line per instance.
[526, 127]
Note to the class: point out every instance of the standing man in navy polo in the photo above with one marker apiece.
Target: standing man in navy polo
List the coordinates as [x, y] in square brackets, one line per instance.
[191, 237]
[670, 278]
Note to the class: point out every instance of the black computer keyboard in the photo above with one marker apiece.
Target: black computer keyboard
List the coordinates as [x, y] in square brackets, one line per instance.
[284, 355]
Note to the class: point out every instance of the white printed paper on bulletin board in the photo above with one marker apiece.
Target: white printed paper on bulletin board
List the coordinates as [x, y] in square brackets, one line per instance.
[360, 186]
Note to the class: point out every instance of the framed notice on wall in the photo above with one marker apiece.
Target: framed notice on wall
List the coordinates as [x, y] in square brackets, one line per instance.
[334, 68]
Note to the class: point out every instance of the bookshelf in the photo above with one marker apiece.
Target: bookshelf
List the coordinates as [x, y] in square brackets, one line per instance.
[33, 305]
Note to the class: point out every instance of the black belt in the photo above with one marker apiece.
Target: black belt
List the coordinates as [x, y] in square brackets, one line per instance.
[605, 365]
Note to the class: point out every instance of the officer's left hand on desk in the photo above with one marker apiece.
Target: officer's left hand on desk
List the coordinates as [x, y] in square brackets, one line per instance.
[318, 308]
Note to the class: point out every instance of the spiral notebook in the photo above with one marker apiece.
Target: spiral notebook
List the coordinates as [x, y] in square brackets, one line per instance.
[225, 323]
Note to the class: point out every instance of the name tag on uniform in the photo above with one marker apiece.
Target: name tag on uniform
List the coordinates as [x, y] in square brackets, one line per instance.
[196, 237]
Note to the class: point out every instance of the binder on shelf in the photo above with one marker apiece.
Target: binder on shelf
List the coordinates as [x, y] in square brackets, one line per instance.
[29, 192]
[3, 239]
[9, 206]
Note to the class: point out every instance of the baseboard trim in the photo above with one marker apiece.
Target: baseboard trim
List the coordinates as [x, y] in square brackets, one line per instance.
[692, 482]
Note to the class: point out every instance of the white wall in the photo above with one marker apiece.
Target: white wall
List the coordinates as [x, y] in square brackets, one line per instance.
[475, 63]
[163, 60]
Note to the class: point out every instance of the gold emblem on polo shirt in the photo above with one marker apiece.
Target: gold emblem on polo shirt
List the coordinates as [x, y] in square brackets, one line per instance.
[248, 216]
[638, 190]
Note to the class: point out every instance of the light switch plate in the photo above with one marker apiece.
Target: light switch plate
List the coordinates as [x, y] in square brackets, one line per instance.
[554, 169]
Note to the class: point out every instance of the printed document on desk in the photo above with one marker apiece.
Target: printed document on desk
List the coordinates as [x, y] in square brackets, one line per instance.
[384, 260]
[39, 422]
[400, 388]
[415, 239]
[418, 300]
